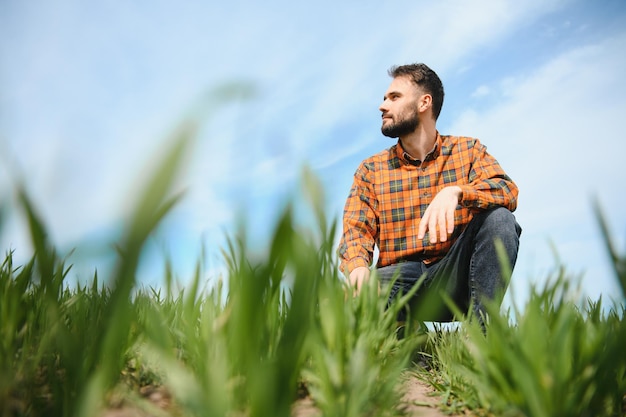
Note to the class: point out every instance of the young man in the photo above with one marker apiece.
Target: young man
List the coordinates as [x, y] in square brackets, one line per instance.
[432, 204]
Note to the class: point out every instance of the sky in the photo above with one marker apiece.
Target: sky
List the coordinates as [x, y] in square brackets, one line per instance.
[91, 94]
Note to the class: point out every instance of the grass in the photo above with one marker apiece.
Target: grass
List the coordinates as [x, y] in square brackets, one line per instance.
[281, 324]
[555, 359]
[557, 356]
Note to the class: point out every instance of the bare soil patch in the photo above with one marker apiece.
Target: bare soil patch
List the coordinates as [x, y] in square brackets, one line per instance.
[420, 399]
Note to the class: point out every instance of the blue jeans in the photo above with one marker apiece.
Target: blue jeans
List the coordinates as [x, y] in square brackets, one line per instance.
[469, 273]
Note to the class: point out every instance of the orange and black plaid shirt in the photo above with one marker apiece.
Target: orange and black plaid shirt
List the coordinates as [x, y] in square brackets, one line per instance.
[391, 191]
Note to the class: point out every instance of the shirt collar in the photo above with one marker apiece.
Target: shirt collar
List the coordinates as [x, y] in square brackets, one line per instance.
[406, 158]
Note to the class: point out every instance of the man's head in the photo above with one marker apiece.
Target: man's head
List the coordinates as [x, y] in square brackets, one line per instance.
[415, 96]
[425, 79]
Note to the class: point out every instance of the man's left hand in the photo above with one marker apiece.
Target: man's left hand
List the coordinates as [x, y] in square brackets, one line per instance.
[440, 215]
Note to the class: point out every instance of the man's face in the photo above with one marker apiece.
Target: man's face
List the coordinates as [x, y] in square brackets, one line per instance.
[399, 108]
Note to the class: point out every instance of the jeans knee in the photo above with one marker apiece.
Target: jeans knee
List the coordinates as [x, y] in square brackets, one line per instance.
[502, 223]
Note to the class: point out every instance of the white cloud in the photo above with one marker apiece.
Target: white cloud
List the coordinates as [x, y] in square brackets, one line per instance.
[556, 132]
[556, 126]
[446, 33]
[481, 92]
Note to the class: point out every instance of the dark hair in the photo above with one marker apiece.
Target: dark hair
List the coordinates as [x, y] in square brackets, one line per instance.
[424, 78]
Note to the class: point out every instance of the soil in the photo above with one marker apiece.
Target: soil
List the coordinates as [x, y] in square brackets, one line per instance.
[419, 400]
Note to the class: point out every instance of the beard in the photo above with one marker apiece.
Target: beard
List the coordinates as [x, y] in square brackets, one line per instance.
[402, 127]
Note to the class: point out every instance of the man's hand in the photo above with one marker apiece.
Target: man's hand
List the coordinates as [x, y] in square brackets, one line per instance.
[358, 277]
[440, 214]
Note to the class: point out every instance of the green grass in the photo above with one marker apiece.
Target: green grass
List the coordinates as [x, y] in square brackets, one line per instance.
[556, 356]
[75, 350]
[278, 324]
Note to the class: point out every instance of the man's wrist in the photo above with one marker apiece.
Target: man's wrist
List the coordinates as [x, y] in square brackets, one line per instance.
[459, 191]
[356, 263]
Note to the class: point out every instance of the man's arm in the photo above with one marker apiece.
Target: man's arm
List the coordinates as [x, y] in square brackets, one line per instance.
[489, 187]
[358, 277]
[360, 226]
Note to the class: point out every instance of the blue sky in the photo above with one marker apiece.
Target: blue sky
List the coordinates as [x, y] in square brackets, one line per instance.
[91, 91]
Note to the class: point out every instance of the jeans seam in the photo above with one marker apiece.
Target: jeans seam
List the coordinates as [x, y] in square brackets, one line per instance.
[472, 283]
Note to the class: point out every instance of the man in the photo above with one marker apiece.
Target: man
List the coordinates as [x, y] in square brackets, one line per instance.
[433, 205]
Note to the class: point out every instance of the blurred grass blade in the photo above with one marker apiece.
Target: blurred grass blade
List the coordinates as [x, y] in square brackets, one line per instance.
[618, 262]
[113, 335]
[44, 253]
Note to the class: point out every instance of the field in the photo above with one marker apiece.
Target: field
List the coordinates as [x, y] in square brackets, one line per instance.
[280, 334]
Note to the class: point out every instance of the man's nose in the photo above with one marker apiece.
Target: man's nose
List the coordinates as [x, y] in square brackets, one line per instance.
[383, 107]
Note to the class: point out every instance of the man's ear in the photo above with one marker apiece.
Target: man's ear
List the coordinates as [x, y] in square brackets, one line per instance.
[424, 103]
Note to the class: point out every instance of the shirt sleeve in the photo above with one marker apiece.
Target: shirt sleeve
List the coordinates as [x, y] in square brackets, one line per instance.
[489, 186]
[360, 224]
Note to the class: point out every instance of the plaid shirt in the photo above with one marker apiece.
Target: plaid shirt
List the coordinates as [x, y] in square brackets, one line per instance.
[391, 191]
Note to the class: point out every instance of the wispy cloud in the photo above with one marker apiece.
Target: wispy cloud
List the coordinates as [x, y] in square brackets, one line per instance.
[555, 130]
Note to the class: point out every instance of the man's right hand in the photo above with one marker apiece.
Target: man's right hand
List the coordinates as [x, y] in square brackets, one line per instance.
[358, 277]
